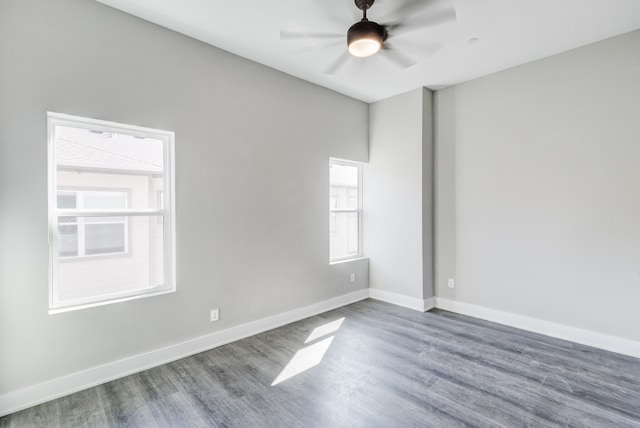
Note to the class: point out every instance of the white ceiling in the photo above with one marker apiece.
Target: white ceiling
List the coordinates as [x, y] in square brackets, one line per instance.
[509, 33]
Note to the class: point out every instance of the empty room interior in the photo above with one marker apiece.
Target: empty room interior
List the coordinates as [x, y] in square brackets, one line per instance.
[319, 213]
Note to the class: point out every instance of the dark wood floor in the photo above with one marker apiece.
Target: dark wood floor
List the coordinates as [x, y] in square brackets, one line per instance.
[386, 366]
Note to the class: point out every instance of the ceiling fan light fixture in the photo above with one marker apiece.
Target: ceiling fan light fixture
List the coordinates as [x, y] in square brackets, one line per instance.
[363, 48]
[365, 38]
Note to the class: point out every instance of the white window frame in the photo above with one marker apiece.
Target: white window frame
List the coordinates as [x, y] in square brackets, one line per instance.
[167, 212]
[358, 210]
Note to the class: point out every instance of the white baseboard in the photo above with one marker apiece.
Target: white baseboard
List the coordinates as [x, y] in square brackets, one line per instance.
[429, 304]
[30, 396]
[560, 331]
[402, 300]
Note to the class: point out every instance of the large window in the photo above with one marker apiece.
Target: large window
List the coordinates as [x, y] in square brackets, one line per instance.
[111, 221]
[345, 210]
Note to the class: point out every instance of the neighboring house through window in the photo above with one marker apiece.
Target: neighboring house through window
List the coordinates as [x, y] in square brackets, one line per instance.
[91, 236]
[111, 212]
[345, 210]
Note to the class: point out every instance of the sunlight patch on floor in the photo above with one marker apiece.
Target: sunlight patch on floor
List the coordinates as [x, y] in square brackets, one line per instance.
[324, 329]
[310, 356]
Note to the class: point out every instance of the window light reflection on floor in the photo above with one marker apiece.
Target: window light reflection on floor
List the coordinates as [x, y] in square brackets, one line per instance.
[310, 356]
[324, 329]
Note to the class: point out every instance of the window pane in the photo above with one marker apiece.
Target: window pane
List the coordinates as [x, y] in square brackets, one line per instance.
[345, 175]
[111, 161]
[106, 238]
[139, 269]
[343, 182]
[344, 242]
[104, 200]
[352, 198]
[67, 240]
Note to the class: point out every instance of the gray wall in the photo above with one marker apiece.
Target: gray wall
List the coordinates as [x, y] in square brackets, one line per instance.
[540, 168]
[252, 151]
[396, 200]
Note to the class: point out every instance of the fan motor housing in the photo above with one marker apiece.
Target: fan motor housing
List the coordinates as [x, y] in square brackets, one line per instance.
[366, 28]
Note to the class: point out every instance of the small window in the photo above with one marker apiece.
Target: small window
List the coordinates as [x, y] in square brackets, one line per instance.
[111, 212]
[345, 210]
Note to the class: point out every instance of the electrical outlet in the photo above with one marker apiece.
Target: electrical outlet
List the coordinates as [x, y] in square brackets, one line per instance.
[215, 315]
[451, 283]
[353, 278]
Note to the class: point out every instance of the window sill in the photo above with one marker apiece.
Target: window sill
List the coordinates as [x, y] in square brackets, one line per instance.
[71, 259]
[355, 259]
[74, 307]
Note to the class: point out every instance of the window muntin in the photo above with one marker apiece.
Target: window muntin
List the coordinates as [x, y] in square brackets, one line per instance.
[345, 210]
[110, 239]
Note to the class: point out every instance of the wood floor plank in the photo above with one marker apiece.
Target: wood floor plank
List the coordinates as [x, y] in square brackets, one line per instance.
[203, 393]
[381, 366]
[45, 415]
[82, 408]
[175, 410]
[124, 404]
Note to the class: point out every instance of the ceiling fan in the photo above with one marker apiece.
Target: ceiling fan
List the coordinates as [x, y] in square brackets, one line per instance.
[366, 38]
